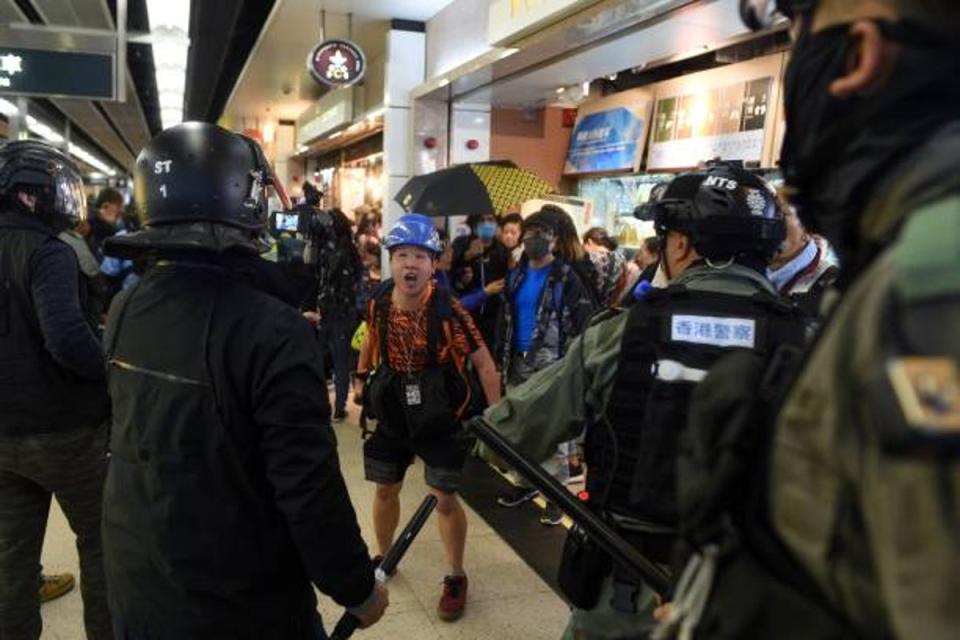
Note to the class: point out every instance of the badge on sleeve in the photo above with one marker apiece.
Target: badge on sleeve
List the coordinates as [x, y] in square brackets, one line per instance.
[928, 391]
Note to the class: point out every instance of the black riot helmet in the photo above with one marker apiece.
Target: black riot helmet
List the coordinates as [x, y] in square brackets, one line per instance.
[199, 172]
[763, 14]
[47, 174]
[727, 212]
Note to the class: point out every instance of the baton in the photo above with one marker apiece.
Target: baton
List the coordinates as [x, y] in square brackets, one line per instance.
[622, 552]
[348, 622]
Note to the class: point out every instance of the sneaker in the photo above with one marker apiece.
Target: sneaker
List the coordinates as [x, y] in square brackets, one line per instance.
[551, 516]
[515, 496]
[339, 415]
[577, 474]
[54, 586]
[454, 598]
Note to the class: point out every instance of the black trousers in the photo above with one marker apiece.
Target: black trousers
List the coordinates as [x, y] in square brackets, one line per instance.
[71, 466]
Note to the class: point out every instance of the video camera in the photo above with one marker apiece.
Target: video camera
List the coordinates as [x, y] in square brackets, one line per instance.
[302, 233]
[305, 221]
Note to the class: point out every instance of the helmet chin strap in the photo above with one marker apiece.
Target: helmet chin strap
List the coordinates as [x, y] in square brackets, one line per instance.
[664, 261]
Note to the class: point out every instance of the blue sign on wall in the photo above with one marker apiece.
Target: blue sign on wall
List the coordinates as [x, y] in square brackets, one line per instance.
[605, 141]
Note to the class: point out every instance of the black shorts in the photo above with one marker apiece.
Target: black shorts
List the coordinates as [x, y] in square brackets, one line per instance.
[386, 457]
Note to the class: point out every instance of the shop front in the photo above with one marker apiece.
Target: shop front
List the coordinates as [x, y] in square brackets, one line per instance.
[341, 154]
[605, 99]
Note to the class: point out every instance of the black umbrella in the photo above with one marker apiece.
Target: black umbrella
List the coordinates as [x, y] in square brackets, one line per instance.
[483, 187]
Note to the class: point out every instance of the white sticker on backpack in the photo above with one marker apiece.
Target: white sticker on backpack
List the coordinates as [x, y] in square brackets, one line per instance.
[719, 332]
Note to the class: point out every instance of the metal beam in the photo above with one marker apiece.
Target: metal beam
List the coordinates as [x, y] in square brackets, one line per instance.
[133, 37]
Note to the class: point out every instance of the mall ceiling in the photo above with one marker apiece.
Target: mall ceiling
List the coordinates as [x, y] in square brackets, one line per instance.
[274, 84]
[222, 34]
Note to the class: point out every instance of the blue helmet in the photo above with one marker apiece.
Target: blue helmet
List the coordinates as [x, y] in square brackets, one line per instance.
[415, 230]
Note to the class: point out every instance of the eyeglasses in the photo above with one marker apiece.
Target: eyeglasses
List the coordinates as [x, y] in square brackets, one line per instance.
[764, 14]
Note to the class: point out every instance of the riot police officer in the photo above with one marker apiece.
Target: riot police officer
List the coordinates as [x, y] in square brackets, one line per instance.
[855, 532]
[224, 498]
[53, 401]
[630, 376]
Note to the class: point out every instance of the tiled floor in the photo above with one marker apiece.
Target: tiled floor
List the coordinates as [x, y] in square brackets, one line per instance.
[507, 600]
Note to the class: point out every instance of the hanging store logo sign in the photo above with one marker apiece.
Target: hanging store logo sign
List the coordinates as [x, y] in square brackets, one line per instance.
[56, 74]
[337, 63]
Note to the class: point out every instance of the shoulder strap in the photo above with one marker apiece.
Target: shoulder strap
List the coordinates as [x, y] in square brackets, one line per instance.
[439, 312]
[381, 316]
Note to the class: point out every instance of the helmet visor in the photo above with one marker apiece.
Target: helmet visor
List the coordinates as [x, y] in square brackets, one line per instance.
[70, 201]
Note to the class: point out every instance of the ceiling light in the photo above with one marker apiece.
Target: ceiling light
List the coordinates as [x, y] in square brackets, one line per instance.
[170, 29]
[173, 14]
[49, 134]
[90, 159]
[560, 90]
[7, 108]
[38, 128]
[443, 82]
[585, 88]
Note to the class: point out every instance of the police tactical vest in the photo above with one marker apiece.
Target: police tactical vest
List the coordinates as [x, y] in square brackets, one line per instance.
[37, 395]
[670, 342]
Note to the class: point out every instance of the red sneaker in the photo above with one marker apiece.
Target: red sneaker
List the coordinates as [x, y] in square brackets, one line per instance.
[454, 598]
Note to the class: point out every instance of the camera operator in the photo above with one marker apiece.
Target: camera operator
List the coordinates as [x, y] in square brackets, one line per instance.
[338, 272]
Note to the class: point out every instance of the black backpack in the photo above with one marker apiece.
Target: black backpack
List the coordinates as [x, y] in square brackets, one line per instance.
[740, 581]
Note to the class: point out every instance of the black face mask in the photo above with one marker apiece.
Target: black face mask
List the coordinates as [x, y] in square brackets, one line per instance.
[536, 247]
[838, 151]
[811, 112]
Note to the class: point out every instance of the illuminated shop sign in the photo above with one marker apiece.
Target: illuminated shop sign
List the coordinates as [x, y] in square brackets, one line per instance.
[730, 113]
[56, 74]
[609, 134]
[337, 63]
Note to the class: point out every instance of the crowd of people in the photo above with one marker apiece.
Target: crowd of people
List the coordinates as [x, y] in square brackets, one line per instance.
[765, 414]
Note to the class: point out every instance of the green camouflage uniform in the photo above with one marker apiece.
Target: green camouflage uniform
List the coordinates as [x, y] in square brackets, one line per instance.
[865, 486]
[553, 405]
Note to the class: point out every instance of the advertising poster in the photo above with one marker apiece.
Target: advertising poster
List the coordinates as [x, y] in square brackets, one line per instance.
[725, 113]
[609, 134]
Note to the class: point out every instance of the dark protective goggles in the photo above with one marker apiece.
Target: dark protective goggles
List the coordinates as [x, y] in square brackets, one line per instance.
[763, 14]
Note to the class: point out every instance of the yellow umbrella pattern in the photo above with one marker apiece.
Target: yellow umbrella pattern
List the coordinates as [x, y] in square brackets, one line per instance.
[509, 186]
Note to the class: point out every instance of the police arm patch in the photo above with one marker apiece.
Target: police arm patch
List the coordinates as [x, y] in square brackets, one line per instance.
[928, 392]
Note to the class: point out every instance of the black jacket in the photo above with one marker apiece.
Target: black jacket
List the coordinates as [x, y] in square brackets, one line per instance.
[492, 265]
[224, 498]
[563, 312]
[51, 365]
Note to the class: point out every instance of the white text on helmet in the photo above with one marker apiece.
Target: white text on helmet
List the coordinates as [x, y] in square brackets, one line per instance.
[723, 183]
